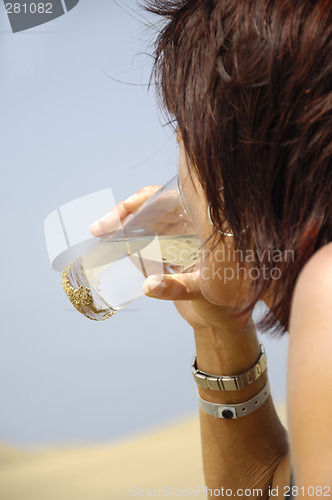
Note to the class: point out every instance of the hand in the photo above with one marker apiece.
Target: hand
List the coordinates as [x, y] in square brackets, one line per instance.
[110, 221]
[162, 217]
[182, 288]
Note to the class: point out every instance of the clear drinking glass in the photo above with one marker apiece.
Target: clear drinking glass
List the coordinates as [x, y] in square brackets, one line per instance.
[159, 238]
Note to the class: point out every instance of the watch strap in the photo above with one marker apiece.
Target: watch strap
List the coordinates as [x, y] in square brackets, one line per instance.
[229, 412]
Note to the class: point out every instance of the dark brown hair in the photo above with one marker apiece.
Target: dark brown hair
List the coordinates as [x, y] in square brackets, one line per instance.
[249, 83]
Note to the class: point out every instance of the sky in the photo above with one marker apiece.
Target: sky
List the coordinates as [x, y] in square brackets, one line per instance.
[77, 117]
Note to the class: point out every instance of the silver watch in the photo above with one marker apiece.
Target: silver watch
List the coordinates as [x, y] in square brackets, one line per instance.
[230, 382]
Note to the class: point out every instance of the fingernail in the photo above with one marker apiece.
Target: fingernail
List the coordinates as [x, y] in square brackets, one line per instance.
[111, 217]
[153, 287]
[95, 229]
[106, 216]
[95, 223]
[131, 198]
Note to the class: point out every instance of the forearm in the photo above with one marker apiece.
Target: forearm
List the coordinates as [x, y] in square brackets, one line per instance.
[242, 453]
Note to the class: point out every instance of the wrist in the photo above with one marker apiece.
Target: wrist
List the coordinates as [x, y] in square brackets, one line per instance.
[226, 349]
[229, 350]
[237, 382]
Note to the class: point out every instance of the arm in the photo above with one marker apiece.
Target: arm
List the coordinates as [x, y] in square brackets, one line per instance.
[242, 453]
[310, 374]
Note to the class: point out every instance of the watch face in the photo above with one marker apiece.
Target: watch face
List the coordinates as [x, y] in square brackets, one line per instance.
[227, 413]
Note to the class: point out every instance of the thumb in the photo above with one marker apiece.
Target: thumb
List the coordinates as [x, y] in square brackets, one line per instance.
[173, 286]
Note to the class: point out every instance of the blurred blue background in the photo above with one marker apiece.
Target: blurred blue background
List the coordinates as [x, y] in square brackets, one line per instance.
[68, 128]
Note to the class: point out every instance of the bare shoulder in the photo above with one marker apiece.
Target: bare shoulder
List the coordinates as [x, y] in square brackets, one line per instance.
[311, 309]
[315, 279]
[310, 371]
[323, 255]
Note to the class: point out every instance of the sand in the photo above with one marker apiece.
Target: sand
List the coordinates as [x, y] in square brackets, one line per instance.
[165, 462]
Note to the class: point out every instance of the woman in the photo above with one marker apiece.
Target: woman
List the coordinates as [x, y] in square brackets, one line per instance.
[248, 83]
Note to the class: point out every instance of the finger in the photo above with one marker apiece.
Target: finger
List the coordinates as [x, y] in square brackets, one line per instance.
[137, 199]
[112, 220]
[173, 287]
